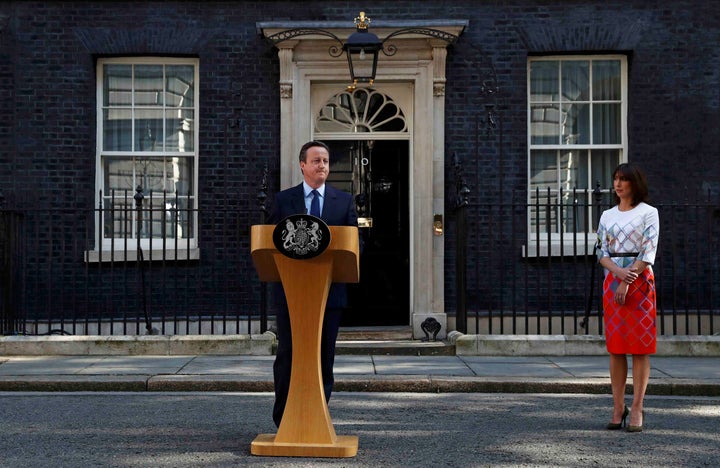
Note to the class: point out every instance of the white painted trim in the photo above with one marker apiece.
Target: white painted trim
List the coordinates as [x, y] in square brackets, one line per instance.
[306, 63]
[155, 255]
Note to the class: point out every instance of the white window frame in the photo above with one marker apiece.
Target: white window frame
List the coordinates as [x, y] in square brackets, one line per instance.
[585, 240]
[107, 249]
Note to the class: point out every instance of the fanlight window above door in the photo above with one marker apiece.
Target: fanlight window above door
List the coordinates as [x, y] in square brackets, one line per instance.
[364, 110]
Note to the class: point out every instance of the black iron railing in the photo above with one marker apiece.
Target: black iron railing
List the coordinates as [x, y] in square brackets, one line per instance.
[531, 266]
[67, 272]
[524, 267]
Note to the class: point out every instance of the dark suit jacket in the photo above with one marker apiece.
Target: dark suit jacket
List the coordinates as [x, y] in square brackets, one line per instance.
[338, 210]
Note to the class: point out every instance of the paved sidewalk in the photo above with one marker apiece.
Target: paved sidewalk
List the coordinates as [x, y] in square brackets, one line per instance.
[372, 373]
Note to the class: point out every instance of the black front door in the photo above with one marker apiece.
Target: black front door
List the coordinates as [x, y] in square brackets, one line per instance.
[377, 174]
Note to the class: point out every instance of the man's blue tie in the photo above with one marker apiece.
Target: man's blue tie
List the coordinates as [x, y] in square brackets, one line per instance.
[315, 204]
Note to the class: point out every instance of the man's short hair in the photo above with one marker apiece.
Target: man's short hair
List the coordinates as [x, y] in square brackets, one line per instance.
[310, 144]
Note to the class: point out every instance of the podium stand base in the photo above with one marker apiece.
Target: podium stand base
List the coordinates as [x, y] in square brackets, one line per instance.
[265, 445]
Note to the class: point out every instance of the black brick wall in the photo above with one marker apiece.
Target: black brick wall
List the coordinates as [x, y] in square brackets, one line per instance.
[48, 52]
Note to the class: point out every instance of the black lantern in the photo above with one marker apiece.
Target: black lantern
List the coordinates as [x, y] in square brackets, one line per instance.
[362, 48]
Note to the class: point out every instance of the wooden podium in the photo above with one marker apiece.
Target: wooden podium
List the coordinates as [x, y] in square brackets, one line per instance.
[306, 429]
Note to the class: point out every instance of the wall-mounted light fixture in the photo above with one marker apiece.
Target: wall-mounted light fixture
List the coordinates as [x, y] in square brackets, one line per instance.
[362, 47]
[438, 224]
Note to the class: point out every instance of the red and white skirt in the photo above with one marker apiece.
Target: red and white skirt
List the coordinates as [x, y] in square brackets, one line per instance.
[630, 328]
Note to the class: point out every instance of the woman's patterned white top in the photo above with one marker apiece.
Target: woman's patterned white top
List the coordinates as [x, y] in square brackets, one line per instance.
[632, 231]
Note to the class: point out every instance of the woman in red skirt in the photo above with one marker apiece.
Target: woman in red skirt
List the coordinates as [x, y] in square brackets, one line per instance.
[628, 234]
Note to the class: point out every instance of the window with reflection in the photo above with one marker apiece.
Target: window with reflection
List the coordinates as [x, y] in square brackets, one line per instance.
[147, 127]
[576, 123]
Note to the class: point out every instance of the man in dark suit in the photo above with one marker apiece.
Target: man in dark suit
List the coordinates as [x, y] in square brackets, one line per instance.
[336, 209]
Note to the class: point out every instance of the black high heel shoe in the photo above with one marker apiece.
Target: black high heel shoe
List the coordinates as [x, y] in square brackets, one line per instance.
[632, 428]
[615, 426]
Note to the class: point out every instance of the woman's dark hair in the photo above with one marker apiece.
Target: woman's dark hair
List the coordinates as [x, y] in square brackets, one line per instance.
[310, 144]
[632, 173]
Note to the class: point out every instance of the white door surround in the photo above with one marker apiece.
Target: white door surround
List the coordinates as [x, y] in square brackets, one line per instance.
[419, 65]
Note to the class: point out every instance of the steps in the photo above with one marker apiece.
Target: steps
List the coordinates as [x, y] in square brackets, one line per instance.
[394, 341]
[375, 333]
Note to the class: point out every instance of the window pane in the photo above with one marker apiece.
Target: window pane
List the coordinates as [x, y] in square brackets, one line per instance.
[544, 174]
[180, 88]
[606, 80]
[544, 81]
[573, 196]
[158, 218]
[169, 218]
[117, 130]
[543, 212]
[579, 160]
[117, 85]
[574, 213]
[148, 85]
[570, 164]
[543, 170]
[149, 130]
[606, 124]
[156, 174]
[183, 218]
[119, 176]
[180, 130]
[151, 174]
[180, 176]
[118, 217]
[603, 164]
[576, 124]
[544, 124]
[576, 80]
[388, 118]
[333, 118]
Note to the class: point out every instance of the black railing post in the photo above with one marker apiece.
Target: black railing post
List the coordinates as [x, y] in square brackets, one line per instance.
[6, 286]
[597, 198]
[139, 196]
[461, 203]
[585, 323]
[262, 195]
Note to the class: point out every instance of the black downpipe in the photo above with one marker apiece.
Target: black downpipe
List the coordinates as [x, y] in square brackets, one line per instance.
[262, 199]
[461, 204]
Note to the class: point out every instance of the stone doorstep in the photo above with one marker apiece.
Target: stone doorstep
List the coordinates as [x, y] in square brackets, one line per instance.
[395, 348]
[390, 333]
[263, 345]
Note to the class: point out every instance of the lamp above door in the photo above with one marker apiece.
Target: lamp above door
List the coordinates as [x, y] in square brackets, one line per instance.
[362, 48]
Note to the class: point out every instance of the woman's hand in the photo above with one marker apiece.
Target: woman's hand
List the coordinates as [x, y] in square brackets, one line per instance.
[627, 275]
[621, 293]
